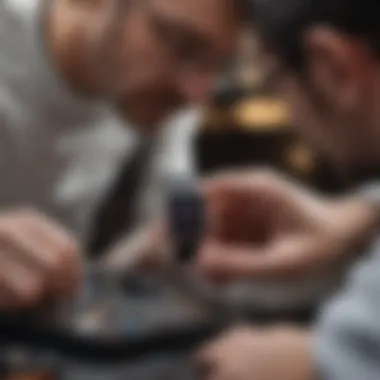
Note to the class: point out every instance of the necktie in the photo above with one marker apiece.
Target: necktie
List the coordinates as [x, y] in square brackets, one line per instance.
[116, 215]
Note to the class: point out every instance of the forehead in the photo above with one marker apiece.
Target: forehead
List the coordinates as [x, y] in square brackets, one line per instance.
[215, 19]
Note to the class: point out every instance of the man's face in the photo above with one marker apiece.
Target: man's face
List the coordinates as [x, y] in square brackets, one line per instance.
[333, 101]
[153, 56]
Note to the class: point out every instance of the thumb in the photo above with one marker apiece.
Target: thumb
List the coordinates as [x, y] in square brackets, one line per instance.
[284, 258]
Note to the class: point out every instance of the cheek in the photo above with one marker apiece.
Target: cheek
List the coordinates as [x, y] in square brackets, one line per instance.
[303, 115]
[143, 52]
[130, 58]
[313, 124]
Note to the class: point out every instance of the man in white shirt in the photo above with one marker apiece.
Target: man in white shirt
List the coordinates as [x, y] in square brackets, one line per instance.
[63, 64]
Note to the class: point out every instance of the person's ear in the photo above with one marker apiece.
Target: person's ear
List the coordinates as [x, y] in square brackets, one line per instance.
[338, 66]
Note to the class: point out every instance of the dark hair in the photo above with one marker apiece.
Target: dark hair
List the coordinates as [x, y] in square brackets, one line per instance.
[247, 10]
[282, 24]
[243, 10]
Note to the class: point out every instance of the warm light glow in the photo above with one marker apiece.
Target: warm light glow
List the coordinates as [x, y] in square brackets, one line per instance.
[301, 159]
[262, 114]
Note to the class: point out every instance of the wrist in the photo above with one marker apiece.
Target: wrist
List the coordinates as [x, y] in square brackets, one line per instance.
[299, 342]
[310, 370]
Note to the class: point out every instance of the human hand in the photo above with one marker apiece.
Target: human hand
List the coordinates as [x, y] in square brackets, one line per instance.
[264, 226]
[258, 354]
[39, 260]
[261, 226]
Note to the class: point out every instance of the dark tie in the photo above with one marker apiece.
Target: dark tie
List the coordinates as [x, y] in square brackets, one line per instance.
[115, 217]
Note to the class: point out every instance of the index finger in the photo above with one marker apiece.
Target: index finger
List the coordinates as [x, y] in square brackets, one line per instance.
[282, 259]
[68, 263]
